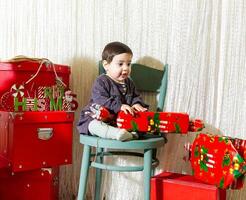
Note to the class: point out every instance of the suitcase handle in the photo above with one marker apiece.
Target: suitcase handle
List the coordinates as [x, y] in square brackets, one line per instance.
[45, 133]
[46, 62]
[42, 61]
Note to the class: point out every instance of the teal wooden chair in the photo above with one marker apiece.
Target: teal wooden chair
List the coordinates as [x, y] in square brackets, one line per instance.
[146, 79]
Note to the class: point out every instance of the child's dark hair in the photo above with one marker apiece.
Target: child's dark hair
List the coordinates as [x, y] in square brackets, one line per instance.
[114, 48]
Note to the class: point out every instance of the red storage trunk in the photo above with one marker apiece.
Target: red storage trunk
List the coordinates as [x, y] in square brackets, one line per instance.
[28, 78]
[31, 140]
[3, 162]
[172, 186]
[41, 184]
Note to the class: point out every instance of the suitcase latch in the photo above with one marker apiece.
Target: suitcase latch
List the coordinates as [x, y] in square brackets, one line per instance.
[45, 133]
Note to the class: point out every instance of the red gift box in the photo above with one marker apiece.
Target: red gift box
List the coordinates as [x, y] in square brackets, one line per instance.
[215, 160]
[35, 85]
[154, 122]
[31, 140]
[196, 125]
[41, 184]
[240, 146]
[173, 186]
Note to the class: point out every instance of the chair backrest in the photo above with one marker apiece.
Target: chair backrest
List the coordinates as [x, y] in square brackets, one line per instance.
[148, 79]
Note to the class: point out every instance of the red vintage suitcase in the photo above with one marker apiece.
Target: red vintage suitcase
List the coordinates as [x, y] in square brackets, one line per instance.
[41, 184]
[31, 140]
[27, 79]
[173, 186]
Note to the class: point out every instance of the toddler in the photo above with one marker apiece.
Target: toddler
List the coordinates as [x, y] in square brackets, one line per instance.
[113, 90]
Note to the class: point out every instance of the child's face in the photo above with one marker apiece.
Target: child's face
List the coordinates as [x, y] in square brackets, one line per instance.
[120, 67]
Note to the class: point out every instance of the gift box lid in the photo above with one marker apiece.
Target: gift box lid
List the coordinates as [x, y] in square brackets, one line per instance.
[182, 179]
[29, 65]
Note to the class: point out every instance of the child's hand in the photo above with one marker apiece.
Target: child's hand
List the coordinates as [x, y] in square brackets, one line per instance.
[138, 107]
[127, 109]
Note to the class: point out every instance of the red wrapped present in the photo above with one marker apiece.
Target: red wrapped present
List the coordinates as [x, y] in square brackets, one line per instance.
[154, 122]
[196, 125]
[100, 113]
[41, 184]
[170, 186]
[215, 161]
[35, 85]
[31, 140]
[240, 146]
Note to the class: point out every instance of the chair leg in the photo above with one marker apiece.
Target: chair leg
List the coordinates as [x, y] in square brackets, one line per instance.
[154, 152]
[99, 159]
[85, 164]
[147, 172]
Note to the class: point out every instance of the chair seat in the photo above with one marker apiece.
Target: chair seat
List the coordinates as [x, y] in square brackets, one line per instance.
[149, 143]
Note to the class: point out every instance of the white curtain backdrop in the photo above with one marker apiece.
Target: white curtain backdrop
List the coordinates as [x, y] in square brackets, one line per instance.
[203, 41]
